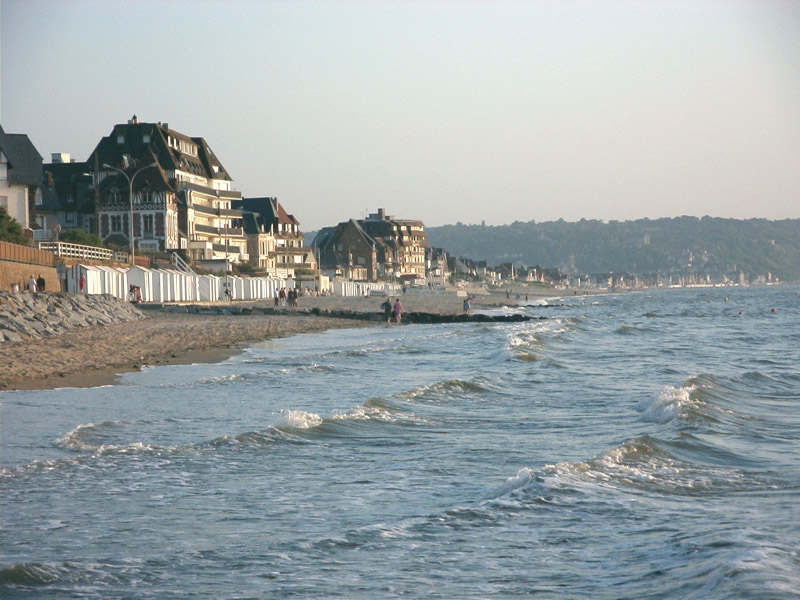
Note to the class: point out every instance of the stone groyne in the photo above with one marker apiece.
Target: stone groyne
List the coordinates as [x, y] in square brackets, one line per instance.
[25, 316]
[408, 317]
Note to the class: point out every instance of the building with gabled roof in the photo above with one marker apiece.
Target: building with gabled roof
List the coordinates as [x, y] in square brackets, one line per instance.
[282, 255]
[20, 178]
[400, 244]
[347, 251]
[67, 198]
[378, 246]
[181, 203]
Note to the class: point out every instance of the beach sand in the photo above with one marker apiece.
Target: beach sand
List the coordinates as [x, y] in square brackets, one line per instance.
[92, 356]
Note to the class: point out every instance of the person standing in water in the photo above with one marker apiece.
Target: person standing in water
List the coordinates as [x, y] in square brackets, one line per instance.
[398, 311]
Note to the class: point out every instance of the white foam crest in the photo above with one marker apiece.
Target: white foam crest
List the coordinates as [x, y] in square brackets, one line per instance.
[637, 464]
[528, 333]
[300, 419]
[522, 478]
[377, 413]
[540, 301]
[669, 404]
[75, 439]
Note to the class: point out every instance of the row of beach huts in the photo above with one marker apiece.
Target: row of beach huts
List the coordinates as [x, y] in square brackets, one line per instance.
[168, 285]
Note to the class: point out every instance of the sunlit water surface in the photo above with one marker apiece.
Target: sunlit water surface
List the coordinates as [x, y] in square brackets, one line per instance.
[644, 445]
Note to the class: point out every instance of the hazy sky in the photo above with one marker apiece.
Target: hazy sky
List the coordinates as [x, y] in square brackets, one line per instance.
[441, 111]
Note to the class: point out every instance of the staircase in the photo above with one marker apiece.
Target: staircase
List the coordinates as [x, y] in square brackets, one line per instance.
[180, 264]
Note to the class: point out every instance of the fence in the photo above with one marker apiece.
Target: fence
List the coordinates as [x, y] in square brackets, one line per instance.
[25, 254]
[65, 250]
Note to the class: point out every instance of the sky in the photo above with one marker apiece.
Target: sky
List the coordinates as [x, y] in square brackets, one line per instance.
[493, 111]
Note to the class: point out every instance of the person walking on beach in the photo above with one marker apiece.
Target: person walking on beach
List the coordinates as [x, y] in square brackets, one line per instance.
[387, 311]
[398, 311]
[31, 284]
[40, 283]
[466, 305]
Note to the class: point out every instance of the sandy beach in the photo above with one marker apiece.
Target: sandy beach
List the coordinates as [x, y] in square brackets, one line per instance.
[91, 356]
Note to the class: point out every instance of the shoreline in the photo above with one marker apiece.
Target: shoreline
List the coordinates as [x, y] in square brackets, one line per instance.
[98, 355]
[84, 357]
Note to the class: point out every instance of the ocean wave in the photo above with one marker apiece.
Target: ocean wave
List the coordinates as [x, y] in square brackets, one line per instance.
[443, 390]
[532, 334]
[377, 410]
[643, 464]
[93, 438]
[31, 574]
[669, 404]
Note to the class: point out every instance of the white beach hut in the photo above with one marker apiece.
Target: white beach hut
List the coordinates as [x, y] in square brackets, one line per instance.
[208, 288]
[114, 281]
[143, 278]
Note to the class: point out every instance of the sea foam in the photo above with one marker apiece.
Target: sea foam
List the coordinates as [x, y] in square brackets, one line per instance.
[669, 404]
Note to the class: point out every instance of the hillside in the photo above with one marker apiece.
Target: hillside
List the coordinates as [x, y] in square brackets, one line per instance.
[707, 245]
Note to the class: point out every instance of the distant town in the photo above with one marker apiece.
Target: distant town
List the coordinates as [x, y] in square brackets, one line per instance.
[150, 193]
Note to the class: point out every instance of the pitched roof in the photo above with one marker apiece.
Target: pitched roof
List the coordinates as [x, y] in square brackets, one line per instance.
[65, 186]
[25, 163]
[146, 142]
[269, 208]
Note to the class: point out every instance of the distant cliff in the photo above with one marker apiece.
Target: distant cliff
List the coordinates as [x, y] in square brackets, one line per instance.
[684, 244]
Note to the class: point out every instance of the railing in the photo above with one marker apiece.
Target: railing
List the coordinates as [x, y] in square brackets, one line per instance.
[219, 231]
[25, 254]
[217, 212]
[204, 189]
[181, 264]
[63, 249]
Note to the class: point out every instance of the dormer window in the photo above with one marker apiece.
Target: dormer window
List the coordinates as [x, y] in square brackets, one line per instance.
[120, 139]
[146, 138]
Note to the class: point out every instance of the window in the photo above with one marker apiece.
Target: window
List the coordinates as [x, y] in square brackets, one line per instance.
[116, 223]
[146, 138]
[120, 139]
[147, 224]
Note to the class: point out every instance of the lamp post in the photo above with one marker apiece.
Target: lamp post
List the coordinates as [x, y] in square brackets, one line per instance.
[130, 179]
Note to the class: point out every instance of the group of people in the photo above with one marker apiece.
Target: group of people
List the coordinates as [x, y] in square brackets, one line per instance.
[134, 294]
[32, 285]
[391, 311]
[283, 297]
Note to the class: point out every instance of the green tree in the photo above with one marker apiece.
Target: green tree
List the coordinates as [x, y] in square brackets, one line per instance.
[11, 230]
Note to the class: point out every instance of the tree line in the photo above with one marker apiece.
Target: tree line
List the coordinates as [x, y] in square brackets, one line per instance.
[705, 245]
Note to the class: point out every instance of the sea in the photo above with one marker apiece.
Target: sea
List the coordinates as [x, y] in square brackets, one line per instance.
[619, 446]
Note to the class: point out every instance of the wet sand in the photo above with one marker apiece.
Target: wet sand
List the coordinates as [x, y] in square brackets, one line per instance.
[91, 356]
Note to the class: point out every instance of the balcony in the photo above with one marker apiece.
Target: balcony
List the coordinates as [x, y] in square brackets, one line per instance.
[219, 231]
[202, 189]
[217, 212]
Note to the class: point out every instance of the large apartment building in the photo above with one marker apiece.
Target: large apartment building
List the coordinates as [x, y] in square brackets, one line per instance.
[182, 194]
[378, 246]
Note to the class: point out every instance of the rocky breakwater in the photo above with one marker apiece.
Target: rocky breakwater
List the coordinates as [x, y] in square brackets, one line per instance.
[408, 317]
[26, 316]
